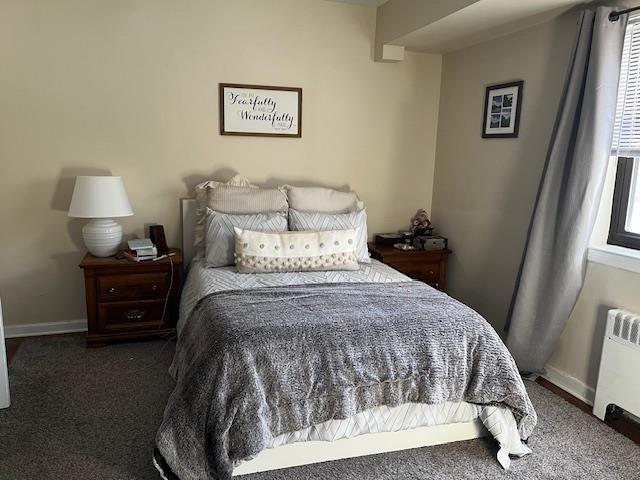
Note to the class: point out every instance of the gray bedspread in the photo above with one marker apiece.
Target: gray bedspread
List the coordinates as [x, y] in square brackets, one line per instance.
[251, 365]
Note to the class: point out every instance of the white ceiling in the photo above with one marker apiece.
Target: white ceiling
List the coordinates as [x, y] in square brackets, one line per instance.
[481, 21]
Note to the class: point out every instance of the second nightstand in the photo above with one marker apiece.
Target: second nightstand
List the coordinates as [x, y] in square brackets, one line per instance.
[126, 300]
[429, 266]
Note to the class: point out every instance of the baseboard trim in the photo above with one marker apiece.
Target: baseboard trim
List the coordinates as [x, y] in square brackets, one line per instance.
[570, 384]
[50, 328]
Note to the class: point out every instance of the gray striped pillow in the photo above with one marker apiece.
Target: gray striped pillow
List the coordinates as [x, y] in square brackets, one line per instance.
[220, 242]
[237, 196]
[299, 221]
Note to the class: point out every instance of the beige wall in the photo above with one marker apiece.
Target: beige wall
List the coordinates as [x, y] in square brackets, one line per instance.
[485, 188]
[578, 351]
[130, 88]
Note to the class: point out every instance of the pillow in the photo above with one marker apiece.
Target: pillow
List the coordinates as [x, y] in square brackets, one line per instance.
[237, 196]
[219, 245]
[299, 221]
[320, 199]
[243, 200]
[260, 252]
[202, 189]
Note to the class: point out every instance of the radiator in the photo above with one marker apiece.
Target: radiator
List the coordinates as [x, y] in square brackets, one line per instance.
[619, 377]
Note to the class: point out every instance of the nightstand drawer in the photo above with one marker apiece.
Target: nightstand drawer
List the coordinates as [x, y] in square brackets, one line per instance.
[426, 272]
[133, 285]
[123, 316]
[429, 266]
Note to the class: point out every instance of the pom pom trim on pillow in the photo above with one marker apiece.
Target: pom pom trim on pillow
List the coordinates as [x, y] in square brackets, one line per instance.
[303, 221]
[264, 252]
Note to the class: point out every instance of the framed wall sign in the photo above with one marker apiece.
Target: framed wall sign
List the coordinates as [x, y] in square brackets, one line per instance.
[502, 105]
[258, 110]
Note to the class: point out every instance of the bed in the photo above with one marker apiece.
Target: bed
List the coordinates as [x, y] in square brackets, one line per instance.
[358, 347]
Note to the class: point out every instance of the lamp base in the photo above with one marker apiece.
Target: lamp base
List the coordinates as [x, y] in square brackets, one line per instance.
[102, 236]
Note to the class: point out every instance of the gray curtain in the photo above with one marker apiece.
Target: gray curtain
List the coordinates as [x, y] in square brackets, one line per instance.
[554, 262]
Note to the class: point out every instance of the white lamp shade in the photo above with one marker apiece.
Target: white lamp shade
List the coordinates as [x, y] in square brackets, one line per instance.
[99, 197]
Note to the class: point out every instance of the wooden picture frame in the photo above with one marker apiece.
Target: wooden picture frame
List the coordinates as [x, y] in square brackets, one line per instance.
[260, 110]
[502, 108]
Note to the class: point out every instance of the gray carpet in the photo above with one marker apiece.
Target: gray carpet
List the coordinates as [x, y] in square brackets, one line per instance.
[85, 414]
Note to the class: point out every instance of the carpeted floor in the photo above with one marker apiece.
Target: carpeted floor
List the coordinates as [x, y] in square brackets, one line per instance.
[93, 414]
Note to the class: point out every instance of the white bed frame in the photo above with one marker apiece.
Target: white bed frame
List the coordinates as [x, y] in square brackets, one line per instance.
[304, 453]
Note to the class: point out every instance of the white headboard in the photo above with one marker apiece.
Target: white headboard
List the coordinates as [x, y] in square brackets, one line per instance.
[188, 214]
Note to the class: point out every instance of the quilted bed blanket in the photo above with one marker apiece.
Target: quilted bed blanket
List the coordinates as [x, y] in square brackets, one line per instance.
[251, 365]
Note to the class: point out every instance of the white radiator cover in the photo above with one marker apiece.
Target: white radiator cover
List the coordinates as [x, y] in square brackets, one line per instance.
[619, 377]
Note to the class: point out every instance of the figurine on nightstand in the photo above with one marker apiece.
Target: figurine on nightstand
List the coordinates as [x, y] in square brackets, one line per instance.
[423, 238]
[420, 223]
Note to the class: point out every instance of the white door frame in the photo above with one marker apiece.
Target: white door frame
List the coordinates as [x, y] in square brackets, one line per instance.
[4, 374]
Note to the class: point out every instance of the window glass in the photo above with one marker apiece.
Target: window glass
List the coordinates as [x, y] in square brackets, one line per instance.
[633, 209]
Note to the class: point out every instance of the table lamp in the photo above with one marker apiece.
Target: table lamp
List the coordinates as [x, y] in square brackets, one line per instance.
[100, 198]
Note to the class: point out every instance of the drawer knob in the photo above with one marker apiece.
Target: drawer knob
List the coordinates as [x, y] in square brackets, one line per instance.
[430, 272]
[134, 314]
[112, 290]
[155, 287]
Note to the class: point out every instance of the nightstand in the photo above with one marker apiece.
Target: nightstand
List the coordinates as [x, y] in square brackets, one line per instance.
[429, 266]
[126, 299]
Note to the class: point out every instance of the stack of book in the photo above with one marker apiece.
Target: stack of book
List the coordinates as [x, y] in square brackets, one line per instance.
[140, 250]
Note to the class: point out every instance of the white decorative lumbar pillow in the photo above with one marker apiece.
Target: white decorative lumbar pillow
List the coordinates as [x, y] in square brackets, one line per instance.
[300, 221]
[264, 252]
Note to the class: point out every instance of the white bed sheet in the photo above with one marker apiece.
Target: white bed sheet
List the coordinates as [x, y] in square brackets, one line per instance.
[500, 421]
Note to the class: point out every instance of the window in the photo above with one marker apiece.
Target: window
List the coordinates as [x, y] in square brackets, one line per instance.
[625, 216]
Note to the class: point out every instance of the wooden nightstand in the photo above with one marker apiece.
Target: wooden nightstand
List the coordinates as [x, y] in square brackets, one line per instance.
[425, 265]
[125, 299]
